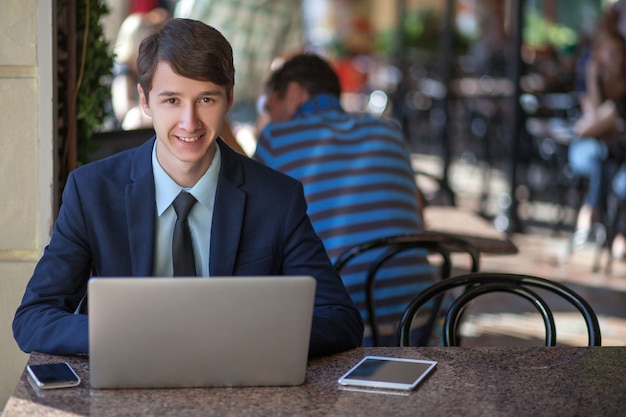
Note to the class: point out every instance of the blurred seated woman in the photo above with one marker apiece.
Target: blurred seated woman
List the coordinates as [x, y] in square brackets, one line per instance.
[601, 127]
[124, 95]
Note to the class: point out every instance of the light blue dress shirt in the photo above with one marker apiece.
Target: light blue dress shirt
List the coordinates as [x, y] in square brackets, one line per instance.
[200, 217]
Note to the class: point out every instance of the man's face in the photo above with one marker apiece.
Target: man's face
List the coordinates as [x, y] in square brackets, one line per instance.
[187, 116]
[277, 108]
[282, 108]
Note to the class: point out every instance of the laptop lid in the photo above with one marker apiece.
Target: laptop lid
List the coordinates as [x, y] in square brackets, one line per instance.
[199, 332]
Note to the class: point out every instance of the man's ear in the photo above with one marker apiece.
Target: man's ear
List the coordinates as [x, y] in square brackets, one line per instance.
[144, 101]
[296, 95]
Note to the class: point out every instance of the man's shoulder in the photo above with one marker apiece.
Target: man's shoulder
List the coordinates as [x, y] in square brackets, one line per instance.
[319, 120]
[119, 164]
[254, 171]
[258, 171]
[380, 121]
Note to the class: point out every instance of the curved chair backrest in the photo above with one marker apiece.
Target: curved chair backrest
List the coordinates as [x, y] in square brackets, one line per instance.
[480, 283]
[444, 245]
[425, 240]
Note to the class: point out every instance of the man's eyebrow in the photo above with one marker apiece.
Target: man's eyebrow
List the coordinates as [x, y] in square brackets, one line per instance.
[211, 93]
[168, 93]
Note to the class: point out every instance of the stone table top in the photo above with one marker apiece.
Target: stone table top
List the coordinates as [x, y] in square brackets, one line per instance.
[483, 381]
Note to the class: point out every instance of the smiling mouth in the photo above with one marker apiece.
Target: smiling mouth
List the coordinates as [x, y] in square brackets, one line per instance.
[190, 139]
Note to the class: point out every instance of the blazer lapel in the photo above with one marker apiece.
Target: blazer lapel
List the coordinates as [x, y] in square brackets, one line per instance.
[141, 212]
[227, 214]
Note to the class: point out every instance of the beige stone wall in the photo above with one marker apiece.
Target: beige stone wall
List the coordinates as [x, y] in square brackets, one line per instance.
[25, 162]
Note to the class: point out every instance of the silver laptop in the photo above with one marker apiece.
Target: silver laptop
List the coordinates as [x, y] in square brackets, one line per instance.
[199, 332]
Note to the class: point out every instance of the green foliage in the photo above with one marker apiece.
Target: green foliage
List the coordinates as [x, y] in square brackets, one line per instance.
[95, 66]
[539, 33]
[94, 69]
[421, 28]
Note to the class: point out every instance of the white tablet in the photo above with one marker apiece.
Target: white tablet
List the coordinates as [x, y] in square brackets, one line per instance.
[387, 372]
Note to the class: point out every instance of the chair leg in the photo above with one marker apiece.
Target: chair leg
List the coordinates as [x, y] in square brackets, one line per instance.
[600, 238]
[578, 238]
[616, 211]
[427, 329]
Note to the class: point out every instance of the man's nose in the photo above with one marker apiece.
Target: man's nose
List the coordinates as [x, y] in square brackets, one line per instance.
[189, 118]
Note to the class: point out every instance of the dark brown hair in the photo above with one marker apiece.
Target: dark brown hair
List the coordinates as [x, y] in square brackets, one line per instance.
[312, 72]
[193, 50]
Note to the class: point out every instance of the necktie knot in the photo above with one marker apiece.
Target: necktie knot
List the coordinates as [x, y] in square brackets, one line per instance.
[183, 204]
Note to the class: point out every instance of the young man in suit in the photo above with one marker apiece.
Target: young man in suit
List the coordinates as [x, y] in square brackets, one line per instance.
[117, 217]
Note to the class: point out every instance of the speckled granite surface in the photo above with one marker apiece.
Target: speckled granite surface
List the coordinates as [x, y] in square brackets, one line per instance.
[489, 381]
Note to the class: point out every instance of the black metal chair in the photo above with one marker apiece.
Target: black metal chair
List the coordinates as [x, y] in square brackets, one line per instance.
[435, 243]
[616, 217]
[480, 283]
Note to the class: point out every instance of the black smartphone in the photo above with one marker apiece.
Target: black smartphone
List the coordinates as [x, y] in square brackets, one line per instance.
[53, 375]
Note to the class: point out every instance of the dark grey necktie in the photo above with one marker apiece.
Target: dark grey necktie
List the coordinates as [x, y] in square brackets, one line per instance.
[182, 249]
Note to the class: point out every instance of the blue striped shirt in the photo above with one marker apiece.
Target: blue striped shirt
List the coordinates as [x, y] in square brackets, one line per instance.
[359, 185]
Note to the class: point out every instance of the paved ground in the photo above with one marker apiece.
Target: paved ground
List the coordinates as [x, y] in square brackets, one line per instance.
[498, 319]
[541, 255]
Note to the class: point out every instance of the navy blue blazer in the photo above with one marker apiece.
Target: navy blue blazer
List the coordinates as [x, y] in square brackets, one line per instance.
[106, 227]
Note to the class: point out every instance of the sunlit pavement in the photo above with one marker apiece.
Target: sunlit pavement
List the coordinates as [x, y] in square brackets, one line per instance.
[502, 319]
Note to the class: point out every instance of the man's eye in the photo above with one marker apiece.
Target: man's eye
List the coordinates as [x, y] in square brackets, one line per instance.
[171, 101]
[206, 100]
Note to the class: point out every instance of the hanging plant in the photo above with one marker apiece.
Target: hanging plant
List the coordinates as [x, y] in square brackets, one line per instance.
[84, 69]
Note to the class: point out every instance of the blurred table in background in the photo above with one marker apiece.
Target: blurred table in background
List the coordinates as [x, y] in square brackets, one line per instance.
[468, 225]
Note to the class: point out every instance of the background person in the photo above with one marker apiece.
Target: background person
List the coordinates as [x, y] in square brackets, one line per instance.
[600, 129]
[117, 217]
[124, 95]
[618, 187]
[357, 176]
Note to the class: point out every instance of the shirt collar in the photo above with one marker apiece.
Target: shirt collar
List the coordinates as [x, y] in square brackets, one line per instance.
[166, 189]
[318, 103]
